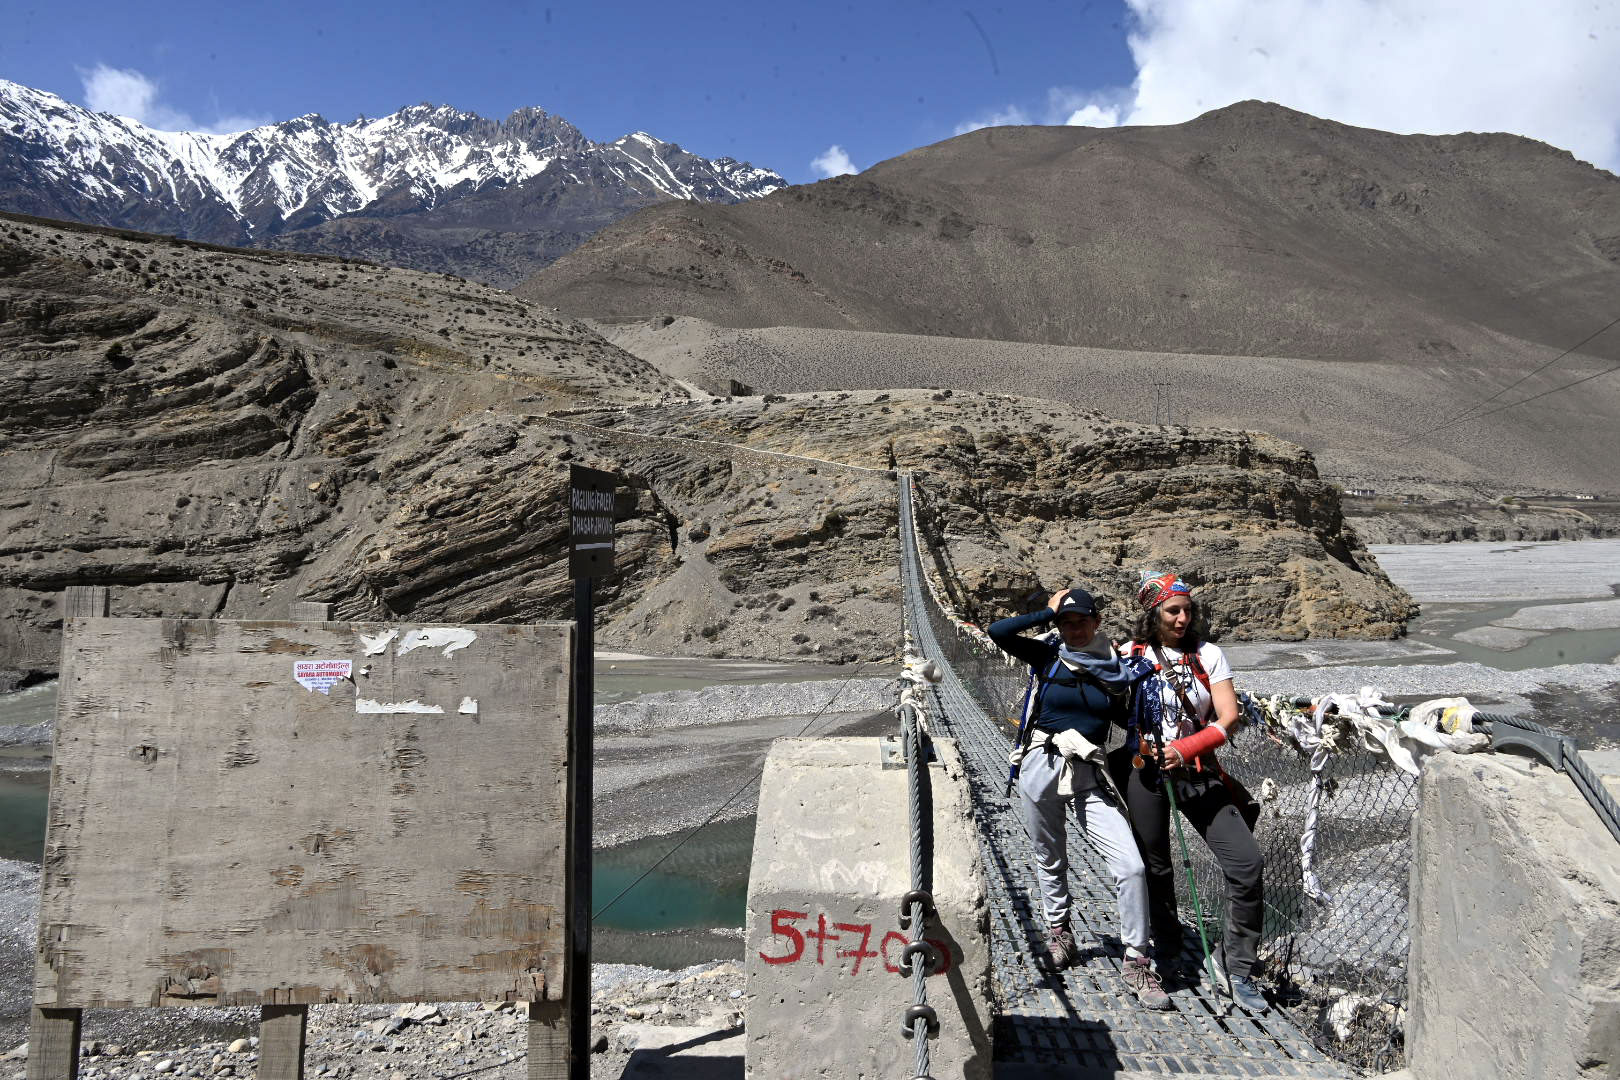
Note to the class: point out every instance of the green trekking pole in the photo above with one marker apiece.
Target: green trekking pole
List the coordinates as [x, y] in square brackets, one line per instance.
[1169, 786]
[1192, 882]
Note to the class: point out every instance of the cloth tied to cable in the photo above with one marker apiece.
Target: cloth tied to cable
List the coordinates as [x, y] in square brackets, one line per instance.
[1440, 724]
[1338, 721]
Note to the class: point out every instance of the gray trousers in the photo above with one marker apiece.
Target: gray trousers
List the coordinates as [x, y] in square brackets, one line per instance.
[1044, 811]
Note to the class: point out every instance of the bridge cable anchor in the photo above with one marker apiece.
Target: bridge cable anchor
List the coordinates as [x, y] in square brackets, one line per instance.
[919, 1012]
[916, 896]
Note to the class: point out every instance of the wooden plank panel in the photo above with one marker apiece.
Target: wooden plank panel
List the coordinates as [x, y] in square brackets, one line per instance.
[282, 1031]
[53, 1044]
[85, 602]
[219, 834]
[548, 1040]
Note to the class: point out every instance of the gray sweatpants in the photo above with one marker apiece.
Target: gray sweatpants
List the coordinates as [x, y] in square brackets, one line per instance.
[1044, 810]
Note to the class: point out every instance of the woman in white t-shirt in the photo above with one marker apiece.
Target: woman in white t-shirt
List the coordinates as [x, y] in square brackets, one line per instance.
[1199, 710]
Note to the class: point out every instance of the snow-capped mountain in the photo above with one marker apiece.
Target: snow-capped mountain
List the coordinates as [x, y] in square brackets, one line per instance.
[528, 187]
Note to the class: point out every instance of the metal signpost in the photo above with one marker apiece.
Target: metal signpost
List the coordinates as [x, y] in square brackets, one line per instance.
[591, 499]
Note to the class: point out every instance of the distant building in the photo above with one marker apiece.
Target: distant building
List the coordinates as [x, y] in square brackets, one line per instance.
[1364, 492]
[1584, 496]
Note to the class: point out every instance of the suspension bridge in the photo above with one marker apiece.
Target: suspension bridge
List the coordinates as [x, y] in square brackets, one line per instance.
[1083, 1019]
[1335, 940]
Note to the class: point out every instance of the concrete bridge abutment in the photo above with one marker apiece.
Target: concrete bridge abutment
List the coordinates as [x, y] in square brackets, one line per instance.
[1514, 971]
[832, 862]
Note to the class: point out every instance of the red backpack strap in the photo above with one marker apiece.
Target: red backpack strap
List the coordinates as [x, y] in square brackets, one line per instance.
[1197, 665]
[1140, 648]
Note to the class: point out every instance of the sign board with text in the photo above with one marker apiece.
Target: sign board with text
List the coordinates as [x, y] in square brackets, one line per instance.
[590, 522]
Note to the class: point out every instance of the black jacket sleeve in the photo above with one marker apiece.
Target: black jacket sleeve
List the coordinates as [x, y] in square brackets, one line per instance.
[1008, 636]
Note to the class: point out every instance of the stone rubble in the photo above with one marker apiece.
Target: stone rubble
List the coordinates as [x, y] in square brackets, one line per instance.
[638, 1014]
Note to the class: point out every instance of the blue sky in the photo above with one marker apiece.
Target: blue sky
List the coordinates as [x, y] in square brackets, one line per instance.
[790, 86]
[770, 83]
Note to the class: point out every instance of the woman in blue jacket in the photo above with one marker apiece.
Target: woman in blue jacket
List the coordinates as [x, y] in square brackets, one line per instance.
[1080, 681]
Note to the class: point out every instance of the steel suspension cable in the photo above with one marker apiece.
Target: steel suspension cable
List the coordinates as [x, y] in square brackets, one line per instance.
[919, 959]
[1464, 415]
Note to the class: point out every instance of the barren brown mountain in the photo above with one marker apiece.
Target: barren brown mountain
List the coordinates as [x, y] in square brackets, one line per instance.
[212, 432]
[1340, 286]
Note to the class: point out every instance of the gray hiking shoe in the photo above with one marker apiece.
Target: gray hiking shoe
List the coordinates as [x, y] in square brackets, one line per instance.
[1247, 994]
[1061, 949]
[1140, 977]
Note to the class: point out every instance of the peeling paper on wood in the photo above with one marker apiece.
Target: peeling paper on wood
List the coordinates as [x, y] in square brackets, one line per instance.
[375, 644]
[469, 707]
[451, 638]
[366, 705]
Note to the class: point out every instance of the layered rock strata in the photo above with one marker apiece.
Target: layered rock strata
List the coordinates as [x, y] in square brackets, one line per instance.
[1020, 495]
[215, 433]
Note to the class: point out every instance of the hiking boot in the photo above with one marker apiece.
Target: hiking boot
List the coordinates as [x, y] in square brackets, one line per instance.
[1247, 994]
[1061, 949]
[1139, 976]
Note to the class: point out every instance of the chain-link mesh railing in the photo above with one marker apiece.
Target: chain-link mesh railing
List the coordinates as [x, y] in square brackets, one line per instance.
[1336, 841]
[1339, 966]
[1338, 962]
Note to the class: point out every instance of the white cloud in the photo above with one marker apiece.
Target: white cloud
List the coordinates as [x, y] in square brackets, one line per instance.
[833, 161]
[127, 92]
[1086, 108]
[1093, 116]
[1094, 108]
[1010, 116]
[1550, 71]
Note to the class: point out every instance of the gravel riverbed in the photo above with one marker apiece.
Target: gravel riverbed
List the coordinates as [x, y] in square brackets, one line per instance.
[644, 1023]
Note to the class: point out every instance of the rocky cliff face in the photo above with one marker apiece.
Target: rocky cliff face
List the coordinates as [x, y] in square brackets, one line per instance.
[1446, 524]
[1020, 495]
[215, 433]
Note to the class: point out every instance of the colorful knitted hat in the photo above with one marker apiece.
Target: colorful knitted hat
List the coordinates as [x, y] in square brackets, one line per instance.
[1156, 590]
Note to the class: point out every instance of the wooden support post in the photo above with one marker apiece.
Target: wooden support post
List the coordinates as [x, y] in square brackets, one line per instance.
[548, 1040]
[282, 1029]
[53, 1044]
[580, 751]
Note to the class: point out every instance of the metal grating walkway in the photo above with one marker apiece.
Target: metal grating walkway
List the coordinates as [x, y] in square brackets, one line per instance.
[1082, 1023]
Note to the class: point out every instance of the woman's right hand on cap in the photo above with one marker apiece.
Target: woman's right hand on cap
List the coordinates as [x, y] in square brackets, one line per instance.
[1057, 598]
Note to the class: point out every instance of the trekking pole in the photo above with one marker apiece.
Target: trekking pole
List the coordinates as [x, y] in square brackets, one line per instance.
[1023, 724]
[1192, 882]
[1186, 857]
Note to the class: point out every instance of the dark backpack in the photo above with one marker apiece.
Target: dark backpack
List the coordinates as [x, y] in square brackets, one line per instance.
[1119, 701]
